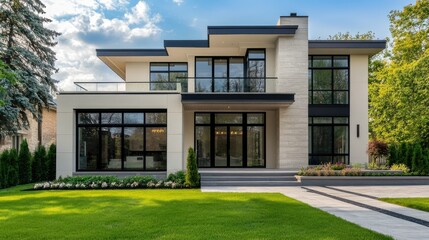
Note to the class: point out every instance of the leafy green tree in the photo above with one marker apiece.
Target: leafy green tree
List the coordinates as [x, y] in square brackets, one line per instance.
[50, 168]
[349, 36]
[400, 96]
[13, 168]
[192, 176]
[25, 48]
[24, 161]
[38, 162]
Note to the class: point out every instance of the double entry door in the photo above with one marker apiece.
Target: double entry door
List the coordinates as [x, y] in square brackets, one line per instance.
[230, 139]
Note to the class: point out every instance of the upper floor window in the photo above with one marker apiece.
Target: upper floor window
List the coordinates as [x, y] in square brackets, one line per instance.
[165, 76]
[328, 79]
[231, 74]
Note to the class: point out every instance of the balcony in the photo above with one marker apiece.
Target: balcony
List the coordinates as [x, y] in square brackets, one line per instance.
[199, 85]
[209, 93]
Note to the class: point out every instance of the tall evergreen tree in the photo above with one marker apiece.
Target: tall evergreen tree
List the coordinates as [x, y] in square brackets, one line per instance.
[4, 169]
[25, 48]
[51, 159]
[13, 168]
[24, 161]
[38, 164]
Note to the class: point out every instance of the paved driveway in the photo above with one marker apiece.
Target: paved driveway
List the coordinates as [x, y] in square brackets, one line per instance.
[359, 204]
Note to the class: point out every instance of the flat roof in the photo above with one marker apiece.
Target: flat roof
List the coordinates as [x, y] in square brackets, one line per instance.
[347, 44]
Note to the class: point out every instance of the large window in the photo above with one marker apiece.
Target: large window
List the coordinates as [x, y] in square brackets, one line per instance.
[165, 76]
[230, 139]
[122, 140]
[328, 79]
[328, 140]
[231, 74]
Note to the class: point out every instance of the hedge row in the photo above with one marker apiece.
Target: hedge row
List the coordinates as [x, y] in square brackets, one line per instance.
[23, 167]
[414, 155]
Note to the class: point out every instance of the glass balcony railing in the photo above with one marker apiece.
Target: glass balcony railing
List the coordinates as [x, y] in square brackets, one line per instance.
[187, 84]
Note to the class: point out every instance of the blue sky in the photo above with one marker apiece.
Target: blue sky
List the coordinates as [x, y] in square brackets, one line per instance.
[90, 24]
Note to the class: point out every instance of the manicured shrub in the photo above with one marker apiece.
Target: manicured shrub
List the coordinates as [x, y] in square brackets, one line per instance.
[24, 163]
[50, 167]
[178, 177]
[192, 176]
[400, 167]
[37, 163]
[13, 175]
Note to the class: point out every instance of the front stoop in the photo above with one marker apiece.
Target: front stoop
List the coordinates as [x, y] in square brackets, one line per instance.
[248, 178]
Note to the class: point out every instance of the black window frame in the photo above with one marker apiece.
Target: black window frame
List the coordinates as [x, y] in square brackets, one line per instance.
[243, 124]
[332, 90]
[332, 153]
[245, 59]
[184, 82]
[122, 125]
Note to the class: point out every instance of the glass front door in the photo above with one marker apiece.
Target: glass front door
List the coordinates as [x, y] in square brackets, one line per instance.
[230, 139]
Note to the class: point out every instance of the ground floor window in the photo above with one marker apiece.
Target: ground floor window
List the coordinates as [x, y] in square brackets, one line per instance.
[230, 139]
[121, 140]
[328, 140]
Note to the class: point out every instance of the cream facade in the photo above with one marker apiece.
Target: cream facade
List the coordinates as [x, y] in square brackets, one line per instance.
[247, 97]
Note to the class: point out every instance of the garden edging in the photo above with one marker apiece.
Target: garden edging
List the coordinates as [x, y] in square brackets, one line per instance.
[361, 180]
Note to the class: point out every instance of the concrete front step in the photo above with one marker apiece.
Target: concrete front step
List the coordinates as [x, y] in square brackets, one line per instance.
[248, 178]
[252, 174]
[249, 183]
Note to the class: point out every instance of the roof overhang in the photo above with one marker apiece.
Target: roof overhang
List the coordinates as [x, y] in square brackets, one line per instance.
[237, 100]
[361, 47]
[221, 40]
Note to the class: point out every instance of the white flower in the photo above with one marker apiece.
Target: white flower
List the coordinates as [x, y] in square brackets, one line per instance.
[46, 185]
[168, 184]
[134, 184]
[104, 185]
[62, 185]
[69, 185]
[150, 184]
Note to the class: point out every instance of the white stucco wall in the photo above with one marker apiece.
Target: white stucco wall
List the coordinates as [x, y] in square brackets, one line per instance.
[137, 72]
[66, 126]
[358, 108]
[292, 73]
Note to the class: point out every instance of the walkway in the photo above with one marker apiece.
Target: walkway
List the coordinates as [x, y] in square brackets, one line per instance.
[360, 205]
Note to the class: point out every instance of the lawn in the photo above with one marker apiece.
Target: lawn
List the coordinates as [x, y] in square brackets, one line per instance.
[416, 203]
[165, 214]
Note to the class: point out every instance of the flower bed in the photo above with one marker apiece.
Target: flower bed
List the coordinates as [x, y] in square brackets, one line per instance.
[176, 180]
[343, 170]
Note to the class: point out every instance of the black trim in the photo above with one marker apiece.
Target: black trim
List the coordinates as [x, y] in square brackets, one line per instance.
[238, 97]
[227, 30]
[347, 44]
[113, 93]
[332, 153]
[130, 52]
[328, 110]
[186, 43]
[244, 126]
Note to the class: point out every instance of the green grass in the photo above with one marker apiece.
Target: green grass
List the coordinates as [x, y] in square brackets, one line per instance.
[416, 203]
[165, 214]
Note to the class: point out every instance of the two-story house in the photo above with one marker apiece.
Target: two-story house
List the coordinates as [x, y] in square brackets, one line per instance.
[246, 97]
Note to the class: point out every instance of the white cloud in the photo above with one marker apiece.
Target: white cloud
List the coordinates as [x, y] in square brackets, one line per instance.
[194, 22]
[85, 26]
[178, 2]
